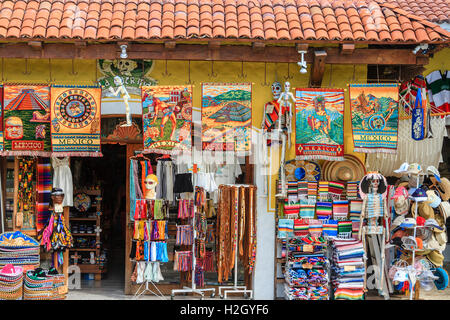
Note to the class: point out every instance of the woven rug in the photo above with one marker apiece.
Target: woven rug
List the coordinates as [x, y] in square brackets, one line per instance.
[26, 120]
[226, 116]
[374, 110]
[167, 119]
[75, 120]
[43, 192]
[319, 124]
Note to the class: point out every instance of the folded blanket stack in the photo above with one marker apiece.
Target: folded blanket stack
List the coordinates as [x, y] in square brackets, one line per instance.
[347, 269]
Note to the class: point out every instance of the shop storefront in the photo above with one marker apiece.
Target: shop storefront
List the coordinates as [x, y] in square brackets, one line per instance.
[248, 163]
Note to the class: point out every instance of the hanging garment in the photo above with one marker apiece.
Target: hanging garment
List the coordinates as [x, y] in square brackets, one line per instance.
[135, 187]
[438, 84]
[185, 235]
[427, 152]
[165, 171]
[62, 178]
[183, 183]
[185, 209]
[43, 190]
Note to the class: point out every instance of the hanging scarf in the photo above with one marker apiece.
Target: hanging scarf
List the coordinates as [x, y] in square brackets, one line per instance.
[418, 119]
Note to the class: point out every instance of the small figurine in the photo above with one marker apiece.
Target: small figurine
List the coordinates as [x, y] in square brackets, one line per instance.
[125, 96]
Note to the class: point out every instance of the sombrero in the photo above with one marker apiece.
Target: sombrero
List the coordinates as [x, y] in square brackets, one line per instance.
[302, 170]
[351, 169]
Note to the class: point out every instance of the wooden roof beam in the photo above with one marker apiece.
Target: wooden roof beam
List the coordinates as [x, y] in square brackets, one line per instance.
[347, 48]
[318, 68]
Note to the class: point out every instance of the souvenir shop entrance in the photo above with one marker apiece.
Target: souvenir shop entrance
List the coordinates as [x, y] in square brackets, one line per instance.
[97, 220]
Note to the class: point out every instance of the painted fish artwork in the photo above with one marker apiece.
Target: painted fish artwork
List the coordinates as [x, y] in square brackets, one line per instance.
[319, 124]
[226, 116]
[167, 119]
[374, 109]
[26, 120]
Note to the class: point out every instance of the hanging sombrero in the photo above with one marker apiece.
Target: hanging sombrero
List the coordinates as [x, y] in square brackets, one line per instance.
[351, 169]
[302, 170]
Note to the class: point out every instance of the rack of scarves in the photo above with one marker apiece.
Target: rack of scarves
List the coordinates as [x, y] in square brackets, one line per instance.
[193, 263]
[348, 269]
[236, 232]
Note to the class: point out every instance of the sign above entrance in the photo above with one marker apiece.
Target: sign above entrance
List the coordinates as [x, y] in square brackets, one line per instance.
[134, 74]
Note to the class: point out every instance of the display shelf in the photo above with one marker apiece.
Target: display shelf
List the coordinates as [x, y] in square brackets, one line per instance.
[91, 216]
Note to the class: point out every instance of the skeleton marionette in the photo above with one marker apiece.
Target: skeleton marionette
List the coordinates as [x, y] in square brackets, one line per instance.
[373, 190]
[285, 107]
[122, 91]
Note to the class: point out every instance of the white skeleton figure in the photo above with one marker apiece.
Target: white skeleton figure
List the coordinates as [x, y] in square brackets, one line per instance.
[122, 91]
[284, 102]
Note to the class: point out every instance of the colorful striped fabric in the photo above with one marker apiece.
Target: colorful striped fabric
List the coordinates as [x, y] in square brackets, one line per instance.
[349, 294]
[324, 210]
[291, 209]
[336, 188]
[330, 228]
[355, 210]
[301, 227]
[312, 189]
[352, 190]
[285, 228]
[344, 228]
[355, 229]
[302, 189]
[340, 209]
[323, 189]
[43, 192]
[307, 208]
[315, 227]
[292, 190]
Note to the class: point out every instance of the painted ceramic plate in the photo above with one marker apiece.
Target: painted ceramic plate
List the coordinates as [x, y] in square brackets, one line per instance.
[82, 202]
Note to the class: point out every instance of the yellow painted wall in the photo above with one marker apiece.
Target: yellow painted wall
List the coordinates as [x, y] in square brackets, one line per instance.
[84, 73]
[439, 61]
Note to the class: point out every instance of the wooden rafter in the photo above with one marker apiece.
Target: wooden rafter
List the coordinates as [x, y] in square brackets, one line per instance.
[197, 52]
[318, 68]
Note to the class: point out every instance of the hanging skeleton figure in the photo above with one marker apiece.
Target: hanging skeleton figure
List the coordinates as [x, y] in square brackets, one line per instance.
[373, 190]
[277, 120]
[122, 91]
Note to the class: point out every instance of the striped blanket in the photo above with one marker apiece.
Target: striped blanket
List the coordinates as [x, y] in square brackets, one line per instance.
[43, 192]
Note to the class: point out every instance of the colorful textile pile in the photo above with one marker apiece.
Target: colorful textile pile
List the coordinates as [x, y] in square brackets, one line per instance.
[345, 228]
[75, 120]
[43, 190]
[11, 282]
[292, 190]
[319, 124]
[323, 190]
[352, 190]
[374, 110]
[26, 120]
[336, 189]
[291, 209]
[324, 210]
[340, 209]
[347, 271]
[307, 208]
[301, 227]
[226, 116]
[302, 189]
[312, 189]
[285, 228]
[182, 261]
[315, 227]
[330, 228]
[17, 248]
[167, 119]
[355, 215]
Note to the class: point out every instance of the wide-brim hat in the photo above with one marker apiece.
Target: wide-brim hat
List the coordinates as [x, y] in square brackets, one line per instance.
[350, 169]
[414, 168]
[302, 170]
[436, 258]
[433, 199]
[444, 189]
[444, 209]
[364, 184]
[434, 225]
[424, 210]
[434, 172]
[433, 244]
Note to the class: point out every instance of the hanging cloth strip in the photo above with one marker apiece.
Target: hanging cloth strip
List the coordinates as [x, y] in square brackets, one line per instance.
[241, 221]
[135, 189]
[185, 235]
[185, 208]
[182, 261]
[159, 209]
[252, 226]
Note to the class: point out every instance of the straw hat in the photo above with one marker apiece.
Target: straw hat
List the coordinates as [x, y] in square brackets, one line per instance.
[444, 209]
[424, 210]
[350, 169]
[433, 199]
[444, 189]
[436, 258]
[414, 168]
[401, 205]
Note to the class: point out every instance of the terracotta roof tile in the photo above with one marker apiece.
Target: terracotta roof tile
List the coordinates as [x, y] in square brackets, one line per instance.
[338, 20]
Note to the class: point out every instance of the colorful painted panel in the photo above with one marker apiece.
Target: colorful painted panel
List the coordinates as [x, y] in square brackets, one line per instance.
[226, 116]
[26, 120]
[319, 124]
[75, 120]
[167, 119]
[374, 110]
